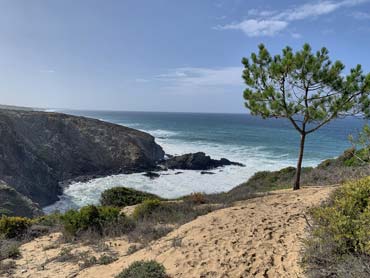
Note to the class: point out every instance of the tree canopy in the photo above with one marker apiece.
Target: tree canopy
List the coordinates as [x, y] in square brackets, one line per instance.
[305, 87]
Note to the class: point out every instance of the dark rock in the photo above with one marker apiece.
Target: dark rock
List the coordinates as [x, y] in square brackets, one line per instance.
[152, 175]
[206, 173]
[38, 150]
[178, 173]
[196, 161]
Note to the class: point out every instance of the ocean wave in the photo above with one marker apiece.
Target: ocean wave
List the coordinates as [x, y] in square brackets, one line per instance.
[168, 185]
[160, 133]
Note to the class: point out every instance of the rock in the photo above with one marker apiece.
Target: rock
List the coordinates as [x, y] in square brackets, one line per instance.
[206, 173]
[196, 161]
[152, 175]
[12, 203]
[39, 149]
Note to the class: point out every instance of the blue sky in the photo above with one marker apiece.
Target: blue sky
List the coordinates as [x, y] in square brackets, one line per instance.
[160, 55]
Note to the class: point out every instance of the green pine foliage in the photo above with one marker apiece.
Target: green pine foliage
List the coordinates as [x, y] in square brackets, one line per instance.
[305, 87]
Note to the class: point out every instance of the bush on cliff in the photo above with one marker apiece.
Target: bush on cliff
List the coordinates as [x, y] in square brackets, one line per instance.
[144, 269]
[339, 245]
[146, 209]
[100, 220]
[14, 227]
[122, 196]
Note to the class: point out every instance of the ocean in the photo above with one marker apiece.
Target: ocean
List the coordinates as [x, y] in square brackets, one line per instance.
[260, 144]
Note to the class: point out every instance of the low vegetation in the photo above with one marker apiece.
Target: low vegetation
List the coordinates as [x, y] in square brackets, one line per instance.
[339, 244]
[14, 227]
[95, 220]
[9, 249]
[144, 269]
[155, 218]
[122, 197]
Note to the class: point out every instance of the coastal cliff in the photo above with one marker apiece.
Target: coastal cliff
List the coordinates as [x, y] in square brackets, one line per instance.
[38, 150]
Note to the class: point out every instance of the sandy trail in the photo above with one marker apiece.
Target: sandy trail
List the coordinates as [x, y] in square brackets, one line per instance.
[256, 238]
[260, 237]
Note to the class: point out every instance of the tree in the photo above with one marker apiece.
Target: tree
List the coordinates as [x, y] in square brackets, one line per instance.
[306, 88]
[361, 145]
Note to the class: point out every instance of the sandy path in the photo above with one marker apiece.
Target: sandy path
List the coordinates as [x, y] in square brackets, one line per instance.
[255, 238]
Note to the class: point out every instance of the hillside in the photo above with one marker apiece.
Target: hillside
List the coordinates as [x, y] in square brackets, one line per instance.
[260, 237]
[38, 150]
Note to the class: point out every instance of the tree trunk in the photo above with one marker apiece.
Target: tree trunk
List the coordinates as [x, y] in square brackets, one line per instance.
[299, 163]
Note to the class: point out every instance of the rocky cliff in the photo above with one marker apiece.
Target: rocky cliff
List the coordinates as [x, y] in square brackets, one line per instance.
[39, 149]
[12, 203]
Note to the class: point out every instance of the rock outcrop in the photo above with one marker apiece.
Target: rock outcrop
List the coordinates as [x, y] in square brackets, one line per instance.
[13, 203]
[196, 161]
[38, 150]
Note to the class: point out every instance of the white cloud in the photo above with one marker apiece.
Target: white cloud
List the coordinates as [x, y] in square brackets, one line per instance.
[47, 71]
[254, 28]
[269, 23]
[190, 80]
[203, 76]
[141, 80]
[296, 35]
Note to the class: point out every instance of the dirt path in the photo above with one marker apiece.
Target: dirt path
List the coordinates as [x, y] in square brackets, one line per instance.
[256, 238]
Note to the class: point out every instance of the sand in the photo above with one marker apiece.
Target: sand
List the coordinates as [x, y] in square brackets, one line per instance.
[261, 237]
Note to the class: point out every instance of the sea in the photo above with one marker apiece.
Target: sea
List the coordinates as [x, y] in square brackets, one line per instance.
[260, 144]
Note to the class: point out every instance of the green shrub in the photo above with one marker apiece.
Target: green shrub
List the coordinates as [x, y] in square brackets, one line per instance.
[49, 220]
[146, 208]
[359, 157]
[11, 227]
[341, 228]
[106, 259]
[144, 269]
[90, 218]
[122, 197]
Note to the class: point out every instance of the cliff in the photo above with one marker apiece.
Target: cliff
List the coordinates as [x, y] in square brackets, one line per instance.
[12, 203]
[38, 150]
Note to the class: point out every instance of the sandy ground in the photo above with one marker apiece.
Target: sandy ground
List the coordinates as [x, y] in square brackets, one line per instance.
[260, 237]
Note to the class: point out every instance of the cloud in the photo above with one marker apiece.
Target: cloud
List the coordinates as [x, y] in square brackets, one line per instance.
[195, 79]
[269, 23]
[296, 35]
[47, 71]
[254, 28]
[142, 80]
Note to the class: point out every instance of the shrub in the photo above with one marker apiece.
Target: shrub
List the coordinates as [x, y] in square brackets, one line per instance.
[91, 218]
[49, 220]
[341, 228]
[11, 227]
[196, 198]
[106, 259]
[9, 249]
[122, 196]
[144, 269]
[146, 208]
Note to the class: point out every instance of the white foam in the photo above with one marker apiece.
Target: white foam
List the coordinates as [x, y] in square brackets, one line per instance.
[170, 185]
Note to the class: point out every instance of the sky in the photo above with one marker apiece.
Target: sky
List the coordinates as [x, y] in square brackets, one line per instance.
[160, 55]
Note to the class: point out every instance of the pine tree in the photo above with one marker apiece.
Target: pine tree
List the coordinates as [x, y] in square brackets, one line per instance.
[306, 88]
